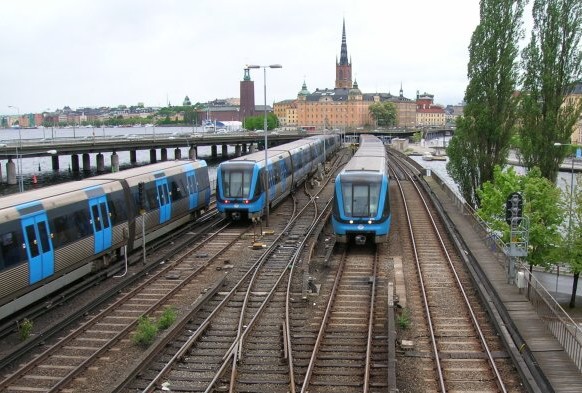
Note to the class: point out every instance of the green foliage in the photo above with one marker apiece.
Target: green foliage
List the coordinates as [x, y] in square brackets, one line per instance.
[417, 137]
[552, 63]
[167, 318]
[25, 329]
[483, 134]
[403, 319]
[258, 122]
[542, 205]
[146, 332]
[384, 113]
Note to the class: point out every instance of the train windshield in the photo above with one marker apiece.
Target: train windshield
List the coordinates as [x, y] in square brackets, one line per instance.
[361, 198]
[236, 180]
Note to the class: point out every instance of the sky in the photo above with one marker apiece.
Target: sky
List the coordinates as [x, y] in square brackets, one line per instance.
[82, 53]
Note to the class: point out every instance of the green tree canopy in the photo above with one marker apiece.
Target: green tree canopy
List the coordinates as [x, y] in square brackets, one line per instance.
[483, 134]
[258, 122]
[384, 113]
[542, 205]
[552, 63]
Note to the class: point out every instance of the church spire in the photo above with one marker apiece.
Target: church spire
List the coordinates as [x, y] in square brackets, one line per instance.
[343, 68]
[344, 48]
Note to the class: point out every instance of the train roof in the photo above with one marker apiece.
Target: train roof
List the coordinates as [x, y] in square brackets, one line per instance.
[370, 157]
[259, 156]
[71, 186]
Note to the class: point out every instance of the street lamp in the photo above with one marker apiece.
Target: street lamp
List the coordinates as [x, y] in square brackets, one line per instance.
[18, 158]
[265, 126]
[571, 198]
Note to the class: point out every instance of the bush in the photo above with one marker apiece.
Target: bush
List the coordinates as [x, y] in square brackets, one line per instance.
[25, 329]
[146, 332]
[167, 318]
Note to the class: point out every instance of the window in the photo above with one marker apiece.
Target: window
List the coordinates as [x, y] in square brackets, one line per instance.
[236, 182]
[361, 200]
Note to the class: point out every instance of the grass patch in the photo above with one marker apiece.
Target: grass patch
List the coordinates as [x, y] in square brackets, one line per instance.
[147, 329]
[404, 319]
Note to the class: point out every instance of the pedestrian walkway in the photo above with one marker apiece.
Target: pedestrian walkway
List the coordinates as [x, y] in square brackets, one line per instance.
[560, 371]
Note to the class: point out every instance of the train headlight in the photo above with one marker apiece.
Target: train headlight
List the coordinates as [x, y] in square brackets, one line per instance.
[226, 201]
[246, 201]
[369, 221]
[351, 221]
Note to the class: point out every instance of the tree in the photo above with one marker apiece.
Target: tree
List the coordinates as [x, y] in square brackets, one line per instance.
[187, 101]
[483, 134]
[384, 113]
[571, 252]
[258, 122]
[542, 205]
[552, 63]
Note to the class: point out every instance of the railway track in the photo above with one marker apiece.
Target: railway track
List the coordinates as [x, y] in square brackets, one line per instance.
[177, 283]
[240, 339]
[459, 347]
[350, 349]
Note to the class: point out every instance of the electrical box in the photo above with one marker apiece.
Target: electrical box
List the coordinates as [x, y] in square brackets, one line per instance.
[520, 280]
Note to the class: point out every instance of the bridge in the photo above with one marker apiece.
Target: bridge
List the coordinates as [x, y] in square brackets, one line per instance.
[244, 142]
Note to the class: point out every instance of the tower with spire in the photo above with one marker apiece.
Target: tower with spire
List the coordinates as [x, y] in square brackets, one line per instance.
[343, 67]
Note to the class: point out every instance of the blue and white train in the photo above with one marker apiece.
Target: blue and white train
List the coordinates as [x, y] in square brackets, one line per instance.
[361, 207]
[53, 236]
[241, 183]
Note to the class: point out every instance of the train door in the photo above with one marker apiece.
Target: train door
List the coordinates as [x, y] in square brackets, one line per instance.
[192, 189]
[164, 202]
[101, 222]
[272, 184]
[38, 245]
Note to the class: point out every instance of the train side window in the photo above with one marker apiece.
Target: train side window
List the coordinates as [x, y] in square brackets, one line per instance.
[151, 197]
[176, 193]
[82, 223]
[9, 250]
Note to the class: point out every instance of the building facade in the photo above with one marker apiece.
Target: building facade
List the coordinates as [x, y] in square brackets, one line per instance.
[342, 106]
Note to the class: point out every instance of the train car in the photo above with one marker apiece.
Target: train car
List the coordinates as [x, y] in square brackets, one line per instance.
[241, 183]
[52, 236]
[361, 207]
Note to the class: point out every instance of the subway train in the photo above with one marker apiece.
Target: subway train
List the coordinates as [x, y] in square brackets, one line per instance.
[241, 183]
[361, 206]
[52, 236]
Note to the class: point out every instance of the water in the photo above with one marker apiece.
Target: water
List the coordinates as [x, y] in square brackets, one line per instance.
[564, 180]
[40, 168]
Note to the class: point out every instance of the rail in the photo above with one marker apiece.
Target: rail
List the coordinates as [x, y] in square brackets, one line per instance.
[555, 318]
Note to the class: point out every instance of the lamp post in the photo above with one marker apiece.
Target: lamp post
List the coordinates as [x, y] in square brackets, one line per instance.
[571, 201]
[264, 67]
[19, 158]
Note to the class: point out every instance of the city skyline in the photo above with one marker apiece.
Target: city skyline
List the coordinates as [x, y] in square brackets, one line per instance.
[87, 54]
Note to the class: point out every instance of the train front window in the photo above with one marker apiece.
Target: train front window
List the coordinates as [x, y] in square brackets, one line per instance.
[361, 200]
[236, 182]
